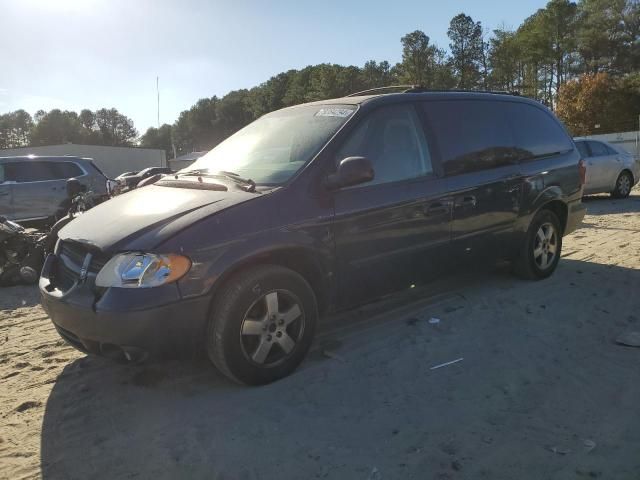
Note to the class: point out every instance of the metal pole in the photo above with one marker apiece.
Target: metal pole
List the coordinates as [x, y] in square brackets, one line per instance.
[158, 92]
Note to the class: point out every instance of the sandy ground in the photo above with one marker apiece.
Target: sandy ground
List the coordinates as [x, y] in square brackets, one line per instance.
[542, 392]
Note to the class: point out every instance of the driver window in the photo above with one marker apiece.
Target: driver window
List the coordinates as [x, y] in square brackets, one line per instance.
[1, 173]
[393, 140]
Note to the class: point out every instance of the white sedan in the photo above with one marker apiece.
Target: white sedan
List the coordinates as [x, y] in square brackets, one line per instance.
[610, 168]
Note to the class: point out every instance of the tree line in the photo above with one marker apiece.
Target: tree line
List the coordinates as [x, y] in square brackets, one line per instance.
[102, 127]
[563, 44]
[580, 58]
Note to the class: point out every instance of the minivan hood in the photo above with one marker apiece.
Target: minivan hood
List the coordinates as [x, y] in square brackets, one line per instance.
[148, 211]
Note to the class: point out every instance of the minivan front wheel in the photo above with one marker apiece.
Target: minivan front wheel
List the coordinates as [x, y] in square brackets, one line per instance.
[541, 249]
[261, 325]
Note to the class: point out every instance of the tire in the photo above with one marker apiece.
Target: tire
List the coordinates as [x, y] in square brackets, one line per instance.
[624, 183]
[535, 260]
[246, 321]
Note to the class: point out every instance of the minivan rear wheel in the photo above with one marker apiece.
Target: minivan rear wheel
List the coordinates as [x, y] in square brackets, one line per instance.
[541, 249]
[262, 324]
[623, 185]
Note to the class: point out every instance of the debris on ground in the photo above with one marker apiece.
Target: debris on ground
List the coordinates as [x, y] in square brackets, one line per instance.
[333, 355]
[589, 445]
[559, 450]
[375, 474]
[447, 363]
[629, 339]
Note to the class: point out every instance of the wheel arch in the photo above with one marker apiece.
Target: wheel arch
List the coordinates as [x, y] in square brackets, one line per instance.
[560, 209]
[551, 199]
[301, 260]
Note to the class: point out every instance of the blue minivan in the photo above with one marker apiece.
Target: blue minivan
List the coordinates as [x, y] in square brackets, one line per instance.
[311, 209]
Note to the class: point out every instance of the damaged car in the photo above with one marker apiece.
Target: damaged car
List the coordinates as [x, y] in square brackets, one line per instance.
[311, 209]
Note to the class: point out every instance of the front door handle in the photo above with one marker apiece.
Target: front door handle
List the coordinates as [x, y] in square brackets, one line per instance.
[437, 208]
[4, 194]
[467, 201]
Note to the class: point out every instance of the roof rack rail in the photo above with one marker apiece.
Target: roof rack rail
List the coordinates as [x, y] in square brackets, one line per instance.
[421, 89]
[380, 89]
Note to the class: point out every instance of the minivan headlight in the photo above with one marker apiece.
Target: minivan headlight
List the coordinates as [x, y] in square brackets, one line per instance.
[142, 270]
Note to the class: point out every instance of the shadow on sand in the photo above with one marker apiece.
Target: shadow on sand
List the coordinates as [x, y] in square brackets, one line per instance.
[605, 204]
[183, 420]
[19, 296]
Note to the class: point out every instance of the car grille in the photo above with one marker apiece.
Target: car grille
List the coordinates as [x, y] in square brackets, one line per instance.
[71, 257]
[75, 254]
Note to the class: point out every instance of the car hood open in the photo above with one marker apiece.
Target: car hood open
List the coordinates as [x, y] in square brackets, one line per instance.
[147, 212]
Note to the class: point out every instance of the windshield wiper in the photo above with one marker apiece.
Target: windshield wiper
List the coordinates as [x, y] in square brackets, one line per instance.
[247, 184]
[250, 184]
[200, 171]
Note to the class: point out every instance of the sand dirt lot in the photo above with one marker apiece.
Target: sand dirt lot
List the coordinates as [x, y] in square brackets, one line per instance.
[543, 391]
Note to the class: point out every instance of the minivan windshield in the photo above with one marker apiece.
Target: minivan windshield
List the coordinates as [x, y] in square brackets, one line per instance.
[272, 149]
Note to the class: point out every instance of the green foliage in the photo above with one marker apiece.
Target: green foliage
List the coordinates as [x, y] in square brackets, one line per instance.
[160, 138]
[609, 35]
[56, 127]
[15, 129]
[466, 50]
[103, 127]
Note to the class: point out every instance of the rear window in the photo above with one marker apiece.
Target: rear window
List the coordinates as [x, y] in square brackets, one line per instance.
[598, 149]
[472, 135]
[475, 135]
[94, 166]
[67, 170]
[536, 131]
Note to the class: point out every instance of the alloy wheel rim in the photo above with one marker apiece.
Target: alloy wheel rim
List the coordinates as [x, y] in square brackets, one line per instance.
[624, 184]
[545, 246]
[272, 328]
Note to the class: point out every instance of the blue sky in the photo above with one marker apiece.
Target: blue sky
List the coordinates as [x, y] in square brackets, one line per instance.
[75, 54]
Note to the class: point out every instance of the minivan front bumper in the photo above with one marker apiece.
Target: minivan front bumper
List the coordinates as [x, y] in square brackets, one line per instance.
[122, 323]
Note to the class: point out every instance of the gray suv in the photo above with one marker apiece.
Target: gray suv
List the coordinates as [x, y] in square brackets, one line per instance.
[34, 188]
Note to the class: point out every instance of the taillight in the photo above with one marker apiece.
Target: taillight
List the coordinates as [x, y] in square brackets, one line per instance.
[582, 169]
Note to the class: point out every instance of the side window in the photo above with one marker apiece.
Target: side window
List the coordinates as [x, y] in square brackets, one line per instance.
[610, 150]
[9, 172]
[582, 148]
[472, 135]
[67, 170]
[598, 149]
[393, 140]
[537, 133]
[28, 171]
[2, 173]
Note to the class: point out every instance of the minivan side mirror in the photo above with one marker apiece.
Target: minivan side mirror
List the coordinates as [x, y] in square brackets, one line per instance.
[351, 171]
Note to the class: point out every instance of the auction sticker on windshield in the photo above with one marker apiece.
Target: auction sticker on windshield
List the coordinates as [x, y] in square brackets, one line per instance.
[334, 112]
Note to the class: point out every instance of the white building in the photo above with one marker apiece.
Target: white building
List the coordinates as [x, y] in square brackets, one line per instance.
[183, 161]
[628, 140]
[111, 160]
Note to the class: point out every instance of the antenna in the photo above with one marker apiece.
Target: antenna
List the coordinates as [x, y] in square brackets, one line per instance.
[158, 92]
